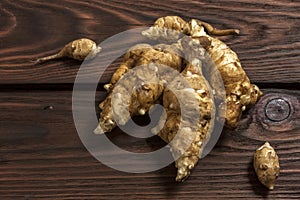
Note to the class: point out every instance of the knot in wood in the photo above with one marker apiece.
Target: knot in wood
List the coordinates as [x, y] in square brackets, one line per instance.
[277, 109]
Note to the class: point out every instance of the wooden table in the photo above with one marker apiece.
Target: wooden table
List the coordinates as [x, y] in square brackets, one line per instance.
[41, 155]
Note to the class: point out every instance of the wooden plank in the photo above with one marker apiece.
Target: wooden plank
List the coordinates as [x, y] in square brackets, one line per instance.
[268, 46]
[42, 157]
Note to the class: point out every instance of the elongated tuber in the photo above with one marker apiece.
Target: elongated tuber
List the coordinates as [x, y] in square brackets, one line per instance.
[79, 49]
[144, 83]
[198, 102]
[266, 165]
[240, 93]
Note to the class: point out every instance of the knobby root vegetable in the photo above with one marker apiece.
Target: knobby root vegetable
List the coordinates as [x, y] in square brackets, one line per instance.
[145, 83]
[79, 49]
[191, 136]
[166, 29]
[240, 93]
[266, 165]
[133, 90]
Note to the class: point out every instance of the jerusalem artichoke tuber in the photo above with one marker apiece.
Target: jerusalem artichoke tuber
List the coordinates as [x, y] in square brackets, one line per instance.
[240, 93]
[145, 82]
[266, 165]
[79, 49]
[199, 104]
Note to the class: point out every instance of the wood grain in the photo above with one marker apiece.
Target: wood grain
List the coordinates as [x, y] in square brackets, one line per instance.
[42, 157]
[269, 45]
[41, 154]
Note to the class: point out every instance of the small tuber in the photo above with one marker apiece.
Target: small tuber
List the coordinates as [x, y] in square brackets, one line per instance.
[79, 49]
[266, 165]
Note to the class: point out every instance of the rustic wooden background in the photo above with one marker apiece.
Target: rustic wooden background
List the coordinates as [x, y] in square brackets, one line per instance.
[41, 155]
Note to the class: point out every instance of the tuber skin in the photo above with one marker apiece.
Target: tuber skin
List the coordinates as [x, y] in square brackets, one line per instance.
[142, 97]
[240, 93]
[266, 165]
[79, 49]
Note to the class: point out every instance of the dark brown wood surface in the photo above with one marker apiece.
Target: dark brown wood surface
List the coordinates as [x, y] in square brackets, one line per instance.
[268, 45]
[41, 155]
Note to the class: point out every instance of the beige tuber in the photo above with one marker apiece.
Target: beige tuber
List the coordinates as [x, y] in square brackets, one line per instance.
[138, 83]
[196, 95]
[79, 49]
[266, 165]
[240, 93]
